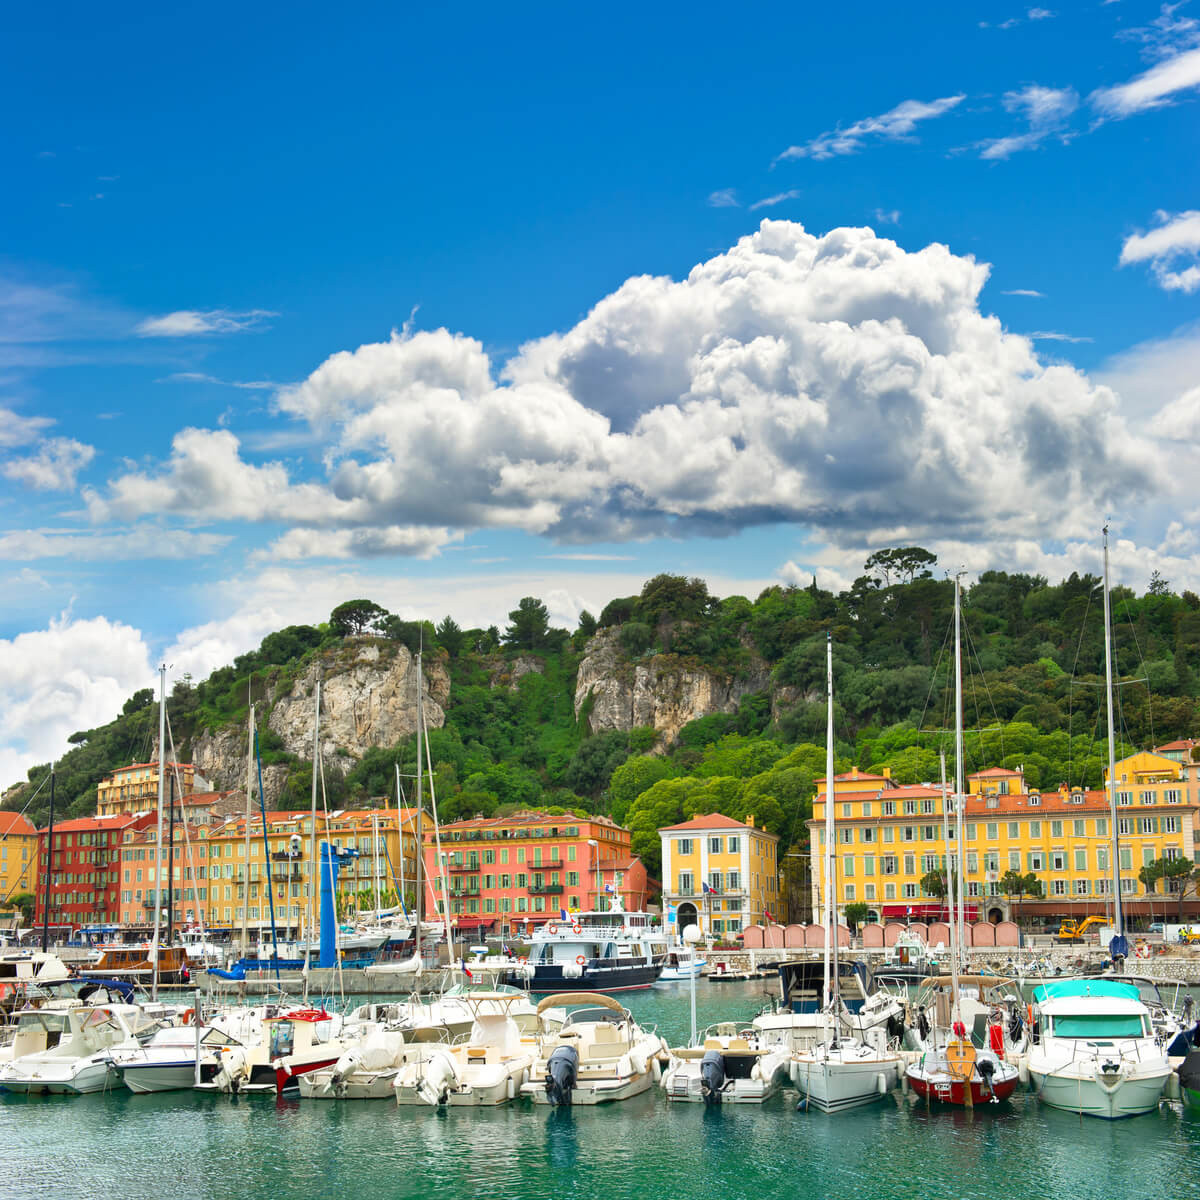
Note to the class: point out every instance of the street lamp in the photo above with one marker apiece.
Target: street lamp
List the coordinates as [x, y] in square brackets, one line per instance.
[595, 845]
[692, 935]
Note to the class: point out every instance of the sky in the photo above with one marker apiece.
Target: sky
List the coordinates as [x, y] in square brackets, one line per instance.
[444, 308]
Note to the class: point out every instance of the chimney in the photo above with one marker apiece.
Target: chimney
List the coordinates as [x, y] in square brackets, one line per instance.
[750, 820]
[887, 772]
[853, 772]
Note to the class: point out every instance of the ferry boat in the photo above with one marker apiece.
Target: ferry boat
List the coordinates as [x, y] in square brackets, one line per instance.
[611, 951]
[133, 963]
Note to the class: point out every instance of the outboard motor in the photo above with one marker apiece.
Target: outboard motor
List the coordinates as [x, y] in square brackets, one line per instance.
[561, 1072]
[895, 1028]
[923, 1025]
[712, 1076]
[986, 1069]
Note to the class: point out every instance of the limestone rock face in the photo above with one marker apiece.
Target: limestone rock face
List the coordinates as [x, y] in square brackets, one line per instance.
[509, 674]
[368, 698]
[665, 692]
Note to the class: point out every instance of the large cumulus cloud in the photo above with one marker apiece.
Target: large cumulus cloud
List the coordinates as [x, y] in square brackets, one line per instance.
[837, 381]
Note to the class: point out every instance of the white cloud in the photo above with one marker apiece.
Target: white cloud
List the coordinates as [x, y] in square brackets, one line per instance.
[392, 541]
[73, 675]
[1152, 374]
[724, 198]
[54, 467]
[140, 542]
[193, 323]
[898, 123]
[1172, 250]
[1039, 14]
[1154, 88]
[1045, 111]
[251, 385]
[1022, 292]
[16, 430]
[1050, 335]
[778, 198]
[887, 216]
[1166, 35]
[757, 390]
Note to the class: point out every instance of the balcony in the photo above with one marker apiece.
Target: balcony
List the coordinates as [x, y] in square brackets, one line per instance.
[460, 868]
[284, 856]
[546, 889]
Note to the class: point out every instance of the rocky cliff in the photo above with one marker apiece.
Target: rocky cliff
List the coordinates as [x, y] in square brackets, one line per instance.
[368, 698]
[665, 692]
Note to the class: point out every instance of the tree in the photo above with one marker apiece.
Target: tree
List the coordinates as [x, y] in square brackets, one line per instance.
[906, 563]
[450, 636]
[933, 883]
[1150, 874]
[140, 699]
[356, 617]
[855, 914]
[1158, 585]
[1180, 874]
[1014, 884]
[530, 624]
[24, 902]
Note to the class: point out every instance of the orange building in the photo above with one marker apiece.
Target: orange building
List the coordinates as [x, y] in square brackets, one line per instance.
[134, 789]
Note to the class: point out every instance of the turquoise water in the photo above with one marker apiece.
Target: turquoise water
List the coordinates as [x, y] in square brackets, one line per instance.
[184, 1144]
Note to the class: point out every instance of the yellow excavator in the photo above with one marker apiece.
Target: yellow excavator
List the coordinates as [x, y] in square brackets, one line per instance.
[1075, 931]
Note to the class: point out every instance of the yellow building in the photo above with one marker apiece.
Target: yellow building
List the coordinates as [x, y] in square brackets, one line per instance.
[18, 858]
[890, 836]
[719, 873]
[211, 869]
[134, 789]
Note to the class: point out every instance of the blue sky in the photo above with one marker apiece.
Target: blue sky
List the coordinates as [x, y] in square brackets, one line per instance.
[215, 219]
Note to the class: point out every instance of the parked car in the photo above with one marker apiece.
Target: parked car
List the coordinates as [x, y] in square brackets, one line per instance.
[1157, 927]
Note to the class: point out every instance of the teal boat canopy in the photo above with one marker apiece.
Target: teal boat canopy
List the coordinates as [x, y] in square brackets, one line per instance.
[1071, 989]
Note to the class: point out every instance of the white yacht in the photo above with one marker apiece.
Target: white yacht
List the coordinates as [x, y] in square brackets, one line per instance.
[599, 1054]
[81, 1059]
[682, 962]
[1095, 1051]
[167, 1062]
[728, 1066]
[609, 951]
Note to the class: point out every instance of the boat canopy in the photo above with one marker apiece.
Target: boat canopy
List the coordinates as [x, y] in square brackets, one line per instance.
[1074, 989]
[1099, 1026]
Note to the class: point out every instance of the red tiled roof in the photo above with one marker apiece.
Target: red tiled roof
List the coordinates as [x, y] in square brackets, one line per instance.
[1181, 744]
[11, 822]
[852, 775]
[712, 821]
[907, 791]
[994, 772]
[84, 824]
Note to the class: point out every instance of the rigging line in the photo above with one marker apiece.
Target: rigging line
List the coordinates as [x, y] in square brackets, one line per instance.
[1142, 660]
[186, 839]
[972, 651]
[12, 891]
[933, 676]
[1070, 694]
[337, 950]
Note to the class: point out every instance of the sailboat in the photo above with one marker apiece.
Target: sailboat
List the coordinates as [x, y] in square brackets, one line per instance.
[842, 1071]
[1097, 1052]
[952, 1068]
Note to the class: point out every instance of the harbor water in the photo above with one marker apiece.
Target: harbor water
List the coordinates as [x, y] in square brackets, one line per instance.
[186, 1144]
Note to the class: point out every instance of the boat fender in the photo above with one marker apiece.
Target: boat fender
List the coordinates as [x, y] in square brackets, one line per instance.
[712, 1076]
[572, 971]
[996, 1037]
[637, 1059]
[794, 1072]
[562, 1069]
[881, 1084]
[1023, 1071]
[656, 1070]
[512, 1088]
[189, 1015]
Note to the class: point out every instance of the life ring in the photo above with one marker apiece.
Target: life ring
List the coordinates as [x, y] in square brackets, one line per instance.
[5, 989]
[577, 928]
[522, 960]
[189, 1016]
[581, 960]
[551, 927]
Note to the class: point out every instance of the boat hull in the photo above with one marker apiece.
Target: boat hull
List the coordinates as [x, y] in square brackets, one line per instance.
[954, 1092]
[836, 1086]
[166, 1077]
[358, 1085]
[1131, 1096]
[597, 1091]
[550, 978]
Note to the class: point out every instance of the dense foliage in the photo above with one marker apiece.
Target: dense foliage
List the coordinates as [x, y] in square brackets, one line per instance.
[1034, 697]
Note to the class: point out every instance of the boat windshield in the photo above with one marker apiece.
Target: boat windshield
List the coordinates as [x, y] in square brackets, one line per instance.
[51, 1022]
[217, 1037]
[1099, 1026]
[589, 1015]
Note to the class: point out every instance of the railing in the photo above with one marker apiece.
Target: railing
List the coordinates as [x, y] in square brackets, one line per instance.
[546, 889]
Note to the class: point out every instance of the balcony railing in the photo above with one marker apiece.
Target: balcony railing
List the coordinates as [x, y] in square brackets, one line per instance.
[545, 889]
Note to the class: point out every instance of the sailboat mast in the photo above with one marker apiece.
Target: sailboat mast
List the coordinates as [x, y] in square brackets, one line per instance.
[249, 797]
[958, 768]
[420, 907]
[400, 839]
[314, 856]
[375, 841]
[950, 896]
[830, 908]
[1118, 922]
[158, 849]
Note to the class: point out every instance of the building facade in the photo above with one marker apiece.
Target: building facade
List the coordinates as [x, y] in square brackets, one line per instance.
[719, 874]
[889, 837]
[134, 789]
[19, 872]
[512, 873]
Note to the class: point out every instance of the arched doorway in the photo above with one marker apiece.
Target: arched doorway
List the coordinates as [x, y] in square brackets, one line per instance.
[995, 915]
[685, 915]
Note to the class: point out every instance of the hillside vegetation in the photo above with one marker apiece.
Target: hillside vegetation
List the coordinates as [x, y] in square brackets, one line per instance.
[1034, 696]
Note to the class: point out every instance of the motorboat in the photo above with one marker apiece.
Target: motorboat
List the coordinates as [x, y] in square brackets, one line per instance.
[728, 1066]
[291, 1044]
[845, 1072]
[23, 970]
[907, 962]
[1095, 1049]
[80, 1060]
[682, 962]
[135, 964]
[368, 1067]
[795, 1020]
[38, 1029]
[599, 1054]
[487, 1069]
[167, 1062]
[1189, 1080]
[596, 951]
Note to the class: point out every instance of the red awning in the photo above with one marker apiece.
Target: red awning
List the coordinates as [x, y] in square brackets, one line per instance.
[471, 922]
[925, 912]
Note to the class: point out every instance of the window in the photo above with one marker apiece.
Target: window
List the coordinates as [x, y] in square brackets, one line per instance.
[1124, 825]
[888, 864]
[867, 834]
[1034, 800]
[1058, 861]
[848, 866]
[1035, 828]
[972, 888]
[1014, 860]
[889, 891]
[1147, 824]
[1124, 798]
[993, 831]
[571, 852]
[929, 833]
[732, 843]
[1102, 862]
[866, 811]
[910, 808]
[714, 880]
[1037, 860]
[929, 862]
[972, 862]
[1056, 829]
[1059, 887]
[971, 831]
[910, 891]
[1103, 887]
[1145, 797]
[1014, 830]
[991, 860]
[1128, 886]
[685, 846]
[1102, 827]
[910, 864]
[909, 833]
[849, 891]
[1126, 859]
[1170, 824]
[1147, 855]
[889, 808]
[714, 845]
[847, 810]
[845, 836]
[1080, 860]
[734, 881]
[927, 806]
[1171, 795]
[1081, 887]
[869, 864]
[889, 833]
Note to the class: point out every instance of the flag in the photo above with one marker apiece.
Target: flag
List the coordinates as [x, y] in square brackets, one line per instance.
[767, 914]
[608, 888]
[467, 971]
[562, 914]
